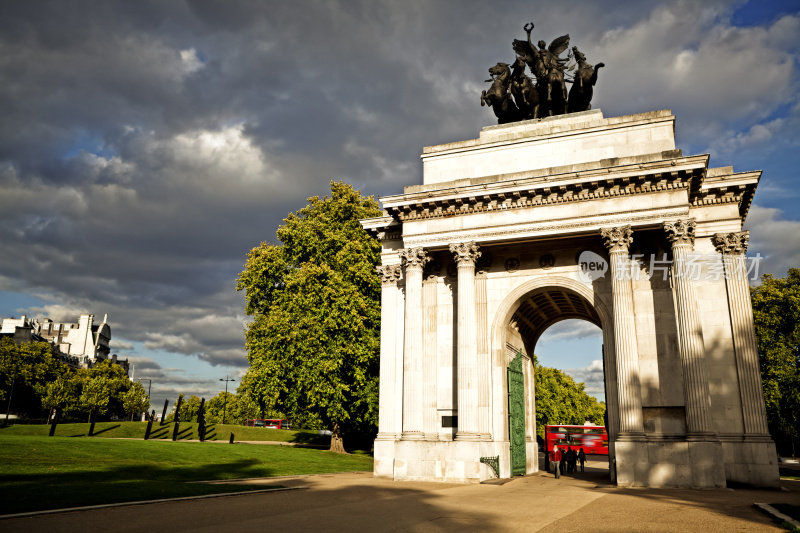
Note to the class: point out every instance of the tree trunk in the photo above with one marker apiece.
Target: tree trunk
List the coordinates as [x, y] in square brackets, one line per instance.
[337, 443]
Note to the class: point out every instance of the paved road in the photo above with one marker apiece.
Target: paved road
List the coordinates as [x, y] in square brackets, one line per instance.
[358, 502]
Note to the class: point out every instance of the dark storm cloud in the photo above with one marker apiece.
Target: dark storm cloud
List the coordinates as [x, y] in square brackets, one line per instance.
[145, 147]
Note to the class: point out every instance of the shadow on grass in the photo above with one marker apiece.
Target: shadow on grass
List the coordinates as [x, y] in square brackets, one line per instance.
[159, 433]
[32, 492]
[106, 429]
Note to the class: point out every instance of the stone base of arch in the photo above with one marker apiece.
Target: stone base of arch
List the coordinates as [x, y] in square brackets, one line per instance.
[450, 462]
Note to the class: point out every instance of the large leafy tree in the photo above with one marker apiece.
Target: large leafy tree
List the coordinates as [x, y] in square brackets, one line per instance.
[25, 371]
[776, 311]
[560, 400]
[315, 302]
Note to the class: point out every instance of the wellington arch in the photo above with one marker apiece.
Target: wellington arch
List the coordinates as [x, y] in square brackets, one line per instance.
[572, 216]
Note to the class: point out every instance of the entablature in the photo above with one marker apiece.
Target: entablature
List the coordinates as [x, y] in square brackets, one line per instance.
[597, 183]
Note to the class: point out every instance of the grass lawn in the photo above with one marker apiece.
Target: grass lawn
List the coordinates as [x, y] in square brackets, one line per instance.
[40, 472]
[187, 431]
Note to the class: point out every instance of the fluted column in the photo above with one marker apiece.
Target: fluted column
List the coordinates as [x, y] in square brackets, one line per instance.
[484, 362]
[414, 259]
[618, 240]
[468, 427]
[690, 339]
[733, 246]
[430, 424]
[387, 414]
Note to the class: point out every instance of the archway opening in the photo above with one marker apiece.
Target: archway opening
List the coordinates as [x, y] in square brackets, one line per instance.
[548, 325]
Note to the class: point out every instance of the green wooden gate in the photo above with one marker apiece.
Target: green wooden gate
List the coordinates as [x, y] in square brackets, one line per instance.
[516, 415]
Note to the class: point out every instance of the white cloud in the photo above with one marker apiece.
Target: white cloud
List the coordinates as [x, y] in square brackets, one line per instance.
[571, 330]
[592, 376]
[775, 238]
[191, 61]
[754, 138]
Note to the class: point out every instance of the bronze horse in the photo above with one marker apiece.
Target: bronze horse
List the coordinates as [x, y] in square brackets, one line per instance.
[497, 96]
[580, 95]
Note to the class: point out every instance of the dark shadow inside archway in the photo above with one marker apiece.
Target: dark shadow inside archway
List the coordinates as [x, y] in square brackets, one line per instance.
[537, 312]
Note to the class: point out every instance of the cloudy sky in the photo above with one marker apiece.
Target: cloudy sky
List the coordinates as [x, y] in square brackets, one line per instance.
[145, 147]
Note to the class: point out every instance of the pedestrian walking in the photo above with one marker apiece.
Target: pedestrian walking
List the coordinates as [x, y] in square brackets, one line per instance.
[555, 458]
[582, 457]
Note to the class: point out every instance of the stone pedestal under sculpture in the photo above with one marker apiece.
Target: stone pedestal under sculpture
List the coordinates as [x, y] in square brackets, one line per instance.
[483, 256]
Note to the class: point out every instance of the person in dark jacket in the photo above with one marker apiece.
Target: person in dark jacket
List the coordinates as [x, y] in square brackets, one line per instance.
[582, 457]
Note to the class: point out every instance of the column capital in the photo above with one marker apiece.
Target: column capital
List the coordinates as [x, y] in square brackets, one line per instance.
[731, 243]
[465, 253]
[680, 232]
[390, 273]
[414, 257]
[617, 239]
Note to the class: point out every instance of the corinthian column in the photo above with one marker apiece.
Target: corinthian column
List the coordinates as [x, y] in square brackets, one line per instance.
[733, 246]
[387, 414]
[690, 340]
[618, 240]
[468, 395]
[414, 259]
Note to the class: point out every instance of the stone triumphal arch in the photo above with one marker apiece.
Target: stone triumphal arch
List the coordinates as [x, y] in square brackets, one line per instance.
[574, 216]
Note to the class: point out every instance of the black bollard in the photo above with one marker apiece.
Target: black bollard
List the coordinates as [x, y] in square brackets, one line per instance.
[230, 441]
[201, 420]
[177, 419]
[149, 424]
[164, 413]
[54, 422]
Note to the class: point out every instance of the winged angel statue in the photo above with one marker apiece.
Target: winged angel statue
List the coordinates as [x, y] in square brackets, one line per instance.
[547, 95]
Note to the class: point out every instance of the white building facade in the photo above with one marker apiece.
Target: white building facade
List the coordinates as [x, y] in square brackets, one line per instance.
[83, 343]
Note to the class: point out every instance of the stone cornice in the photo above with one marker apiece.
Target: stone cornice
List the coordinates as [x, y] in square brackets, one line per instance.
[593, 184]
[384, 228]
[738, 188]
[648, 218]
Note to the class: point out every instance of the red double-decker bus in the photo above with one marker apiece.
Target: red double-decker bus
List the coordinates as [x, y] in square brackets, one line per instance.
[593, 439]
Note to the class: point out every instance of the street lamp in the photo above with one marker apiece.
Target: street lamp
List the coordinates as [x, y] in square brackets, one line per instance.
[225, 402]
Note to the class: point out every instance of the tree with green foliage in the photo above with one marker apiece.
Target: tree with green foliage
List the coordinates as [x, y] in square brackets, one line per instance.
[190, 408]
[776, 313]
[313, 344]
[101, 389]
[25, 371]
[96, 397]
[136, 400]
[560, 400]
[60, 394]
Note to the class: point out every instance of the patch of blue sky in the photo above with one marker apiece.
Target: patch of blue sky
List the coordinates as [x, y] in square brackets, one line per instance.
[763, 12]
[16, 304]
[563, 351]
[90, 143]
[175, 369]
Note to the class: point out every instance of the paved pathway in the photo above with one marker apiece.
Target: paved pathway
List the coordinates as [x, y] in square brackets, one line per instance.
[358, 502]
